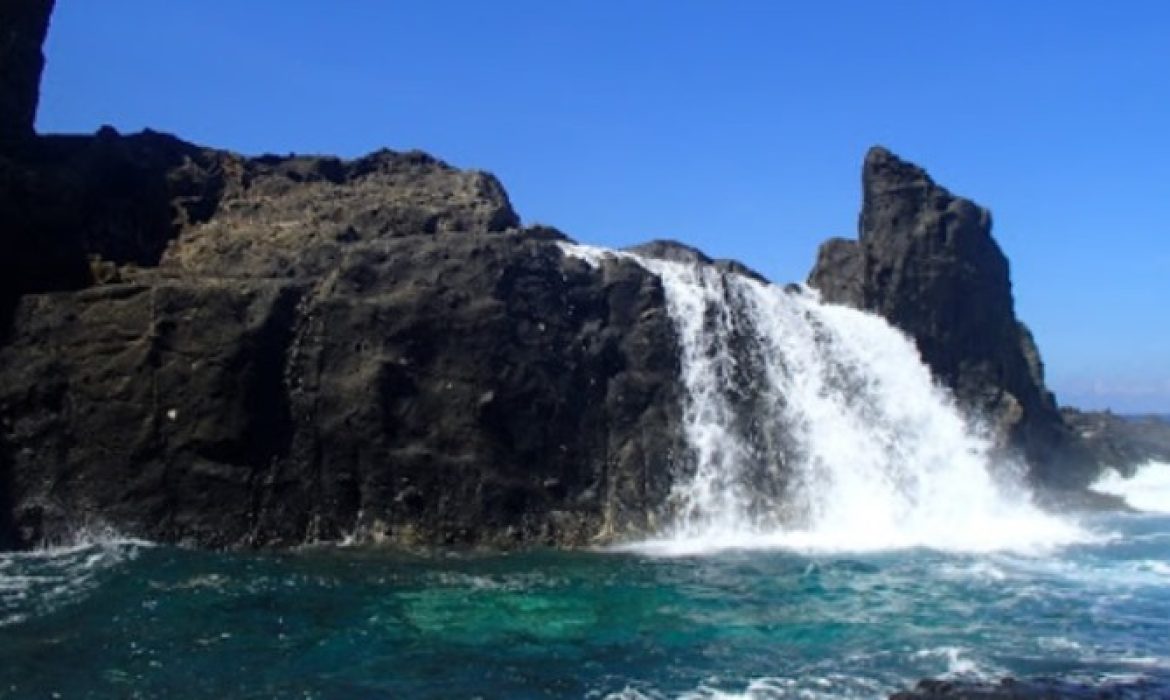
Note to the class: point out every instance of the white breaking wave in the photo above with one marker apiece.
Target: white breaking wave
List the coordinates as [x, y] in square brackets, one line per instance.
[44, 580]
[833, 687]
[1148, 489]
[818, 427]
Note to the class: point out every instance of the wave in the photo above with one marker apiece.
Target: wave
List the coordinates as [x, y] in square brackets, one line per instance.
[831, 687]
[1148, 489]
[44, 580]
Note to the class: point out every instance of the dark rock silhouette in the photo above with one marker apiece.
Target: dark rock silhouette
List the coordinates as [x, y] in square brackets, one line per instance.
[926, 261]
[1121, 442]
[23, 25]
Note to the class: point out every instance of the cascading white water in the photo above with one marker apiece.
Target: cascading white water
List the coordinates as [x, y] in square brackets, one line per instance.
[819, 427]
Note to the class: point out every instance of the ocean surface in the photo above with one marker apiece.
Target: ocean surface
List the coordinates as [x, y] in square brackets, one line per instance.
[118, 618]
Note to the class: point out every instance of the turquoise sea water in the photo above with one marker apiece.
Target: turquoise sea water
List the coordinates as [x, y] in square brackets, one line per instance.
[120, 619]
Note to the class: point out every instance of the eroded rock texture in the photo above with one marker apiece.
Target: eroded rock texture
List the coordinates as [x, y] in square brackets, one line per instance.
[222, 350]
[926, 260]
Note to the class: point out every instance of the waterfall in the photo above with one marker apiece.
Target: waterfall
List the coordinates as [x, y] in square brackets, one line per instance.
[819, 427]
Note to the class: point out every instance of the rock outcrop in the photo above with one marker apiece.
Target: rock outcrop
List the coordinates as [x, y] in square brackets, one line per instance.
[263, 351]
[202, 347]
[926, 261]
[78, 207]
[1121, 442]
[23, 25]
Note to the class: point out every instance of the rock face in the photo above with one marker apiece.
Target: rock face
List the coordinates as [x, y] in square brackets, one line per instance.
[201, 347]
[1123, 443]
[23, 25]
[79, 207]
[926, 261]
[229, 351]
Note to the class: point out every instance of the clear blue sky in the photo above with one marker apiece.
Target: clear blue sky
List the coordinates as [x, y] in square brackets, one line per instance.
[738, 127]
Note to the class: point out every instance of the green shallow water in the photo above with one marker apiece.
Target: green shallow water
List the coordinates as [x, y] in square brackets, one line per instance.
[120, 619]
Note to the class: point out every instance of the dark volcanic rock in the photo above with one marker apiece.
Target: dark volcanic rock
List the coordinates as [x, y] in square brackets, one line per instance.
[281, 350]
[279, 206]
[462, 389]
[926, 261]
[23, 25]
[1121, 442]
[75, 208]
[80, 209]
[201, 347]
[839, 272]
[1037, 689]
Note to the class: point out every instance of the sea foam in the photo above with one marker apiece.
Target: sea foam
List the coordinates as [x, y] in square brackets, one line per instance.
[1148, 489]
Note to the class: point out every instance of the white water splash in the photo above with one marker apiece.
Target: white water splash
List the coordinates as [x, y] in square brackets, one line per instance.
[819, 428]
[1148, 489]
[41, 581]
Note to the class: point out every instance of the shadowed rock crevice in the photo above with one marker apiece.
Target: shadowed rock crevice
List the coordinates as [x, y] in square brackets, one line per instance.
[82, 210]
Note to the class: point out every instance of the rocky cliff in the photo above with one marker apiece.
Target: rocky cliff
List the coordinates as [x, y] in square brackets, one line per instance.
[226, 350]
[202, 347]
[198, 346]
[926, 261]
